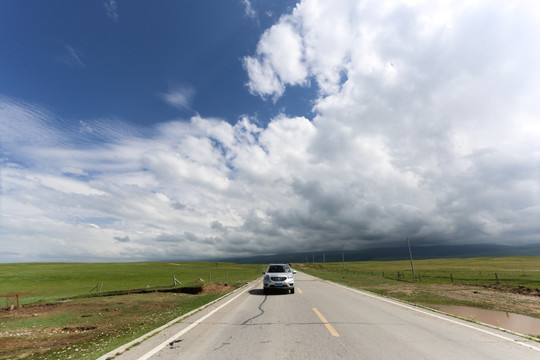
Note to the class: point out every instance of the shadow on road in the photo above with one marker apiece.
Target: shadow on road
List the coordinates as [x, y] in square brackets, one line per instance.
[259, 292]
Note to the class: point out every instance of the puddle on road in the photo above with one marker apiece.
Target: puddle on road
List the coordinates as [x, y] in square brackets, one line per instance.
[521, 324]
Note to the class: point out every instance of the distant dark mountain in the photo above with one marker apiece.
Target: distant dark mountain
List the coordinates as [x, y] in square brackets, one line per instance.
[396, 253]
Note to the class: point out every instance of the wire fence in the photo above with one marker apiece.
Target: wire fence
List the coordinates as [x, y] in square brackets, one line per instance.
[530, 279]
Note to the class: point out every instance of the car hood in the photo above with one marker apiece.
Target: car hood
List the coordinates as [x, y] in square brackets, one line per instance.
[279, 274]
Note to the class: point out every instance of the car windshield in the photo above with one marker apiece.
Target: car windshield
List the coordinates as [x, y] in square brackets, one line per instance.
[277, 269]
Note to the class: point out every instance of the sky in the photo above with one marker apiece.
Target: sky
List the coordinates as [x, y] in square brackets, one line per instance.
[167, 130]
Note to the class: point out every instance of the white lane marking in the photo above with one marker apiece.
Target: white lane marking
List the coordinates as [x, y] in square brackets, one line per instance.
[434, 315]
[123, 348]
[188, 328]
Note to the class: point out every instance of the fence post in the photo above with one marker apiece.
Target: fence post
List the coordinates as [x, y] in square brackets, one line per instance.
[496, 278]
[451, 278]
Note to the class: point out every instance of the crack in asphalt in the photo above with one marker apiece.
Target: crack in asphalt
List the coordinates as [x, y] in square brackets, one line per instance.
[258, 315]
[222, 345]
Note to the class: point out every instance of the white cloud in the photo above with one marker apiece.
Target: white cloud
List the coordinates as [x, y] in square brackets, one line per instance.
[426, 126]
[111, 8]
[263, 79]
[248, 9]
[282, 46]
[72, 57]
[179, 97]
[279, 61]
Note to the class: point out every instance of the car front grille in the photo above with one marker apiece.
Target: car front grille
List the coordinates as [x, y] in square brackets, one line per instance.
[278, 278]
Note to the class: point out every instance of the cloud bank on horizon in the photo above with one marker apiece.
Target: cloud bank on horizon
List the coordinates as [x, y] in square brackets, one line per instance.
[426, 124]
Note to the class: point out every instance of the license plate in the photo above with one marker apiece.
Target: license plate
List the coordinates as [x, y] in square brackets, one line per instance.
[278, 284]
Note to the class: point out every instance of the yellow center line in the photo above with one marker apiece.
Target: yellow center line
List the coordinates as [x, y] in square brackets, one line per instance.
[299, 291]
[325, 322]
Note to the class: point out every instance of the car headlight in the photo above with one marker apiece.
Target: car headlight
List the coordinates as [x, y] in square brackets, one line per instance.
[289, 276]
[266, 277]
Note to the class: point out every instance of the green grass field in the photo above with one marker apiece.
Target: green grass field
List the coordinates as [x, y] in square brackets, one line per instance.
[45, 282]
[510, 271]
[465, 282]
[90, 323]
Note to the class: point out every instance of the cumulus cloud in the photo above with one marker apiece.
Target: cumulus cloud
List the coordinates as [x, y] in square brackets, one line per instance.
[279, 61]
[426, 126]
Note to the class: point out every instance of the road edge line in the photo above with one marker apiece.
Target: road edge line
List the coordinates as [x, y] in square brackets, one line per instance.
[433, 313]
[191, 326]
[120, 350]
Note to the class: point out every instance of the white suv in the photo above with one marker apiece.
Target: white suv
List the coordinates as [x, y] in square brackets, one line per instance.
[279, 276]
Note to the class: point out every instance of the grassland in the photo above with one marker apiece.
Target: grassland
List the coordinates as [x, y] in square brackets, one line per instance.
[505, 284]
[44, 282]
[508, 271]
[64, 315]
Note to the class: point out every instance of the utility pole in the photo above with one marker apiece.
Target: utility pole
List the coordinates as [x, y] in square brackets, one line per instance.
[343, 258]
[410, 255]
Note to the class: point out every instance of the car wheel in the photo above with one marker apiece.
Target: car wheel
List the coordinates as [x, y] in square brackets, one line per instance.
[265, 291]
[292, 291]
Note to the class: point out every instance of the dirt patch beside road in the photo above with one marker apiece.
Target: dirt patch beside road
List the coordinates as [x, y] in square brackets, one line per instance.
[487, 297]
[86, 327]
[214, 288]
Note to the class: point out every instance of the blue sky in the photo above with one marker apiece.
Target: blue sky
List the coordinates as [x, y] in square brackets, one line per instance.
[156, 130]
[93, 59]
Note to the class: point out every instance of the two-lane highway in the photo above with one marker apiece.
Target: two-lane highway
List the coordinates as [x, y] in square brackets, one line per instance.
[326, 321]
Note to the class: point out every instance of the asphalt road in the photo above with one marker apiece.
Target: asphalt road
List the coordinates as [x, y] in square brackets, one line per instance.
[323, 320]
